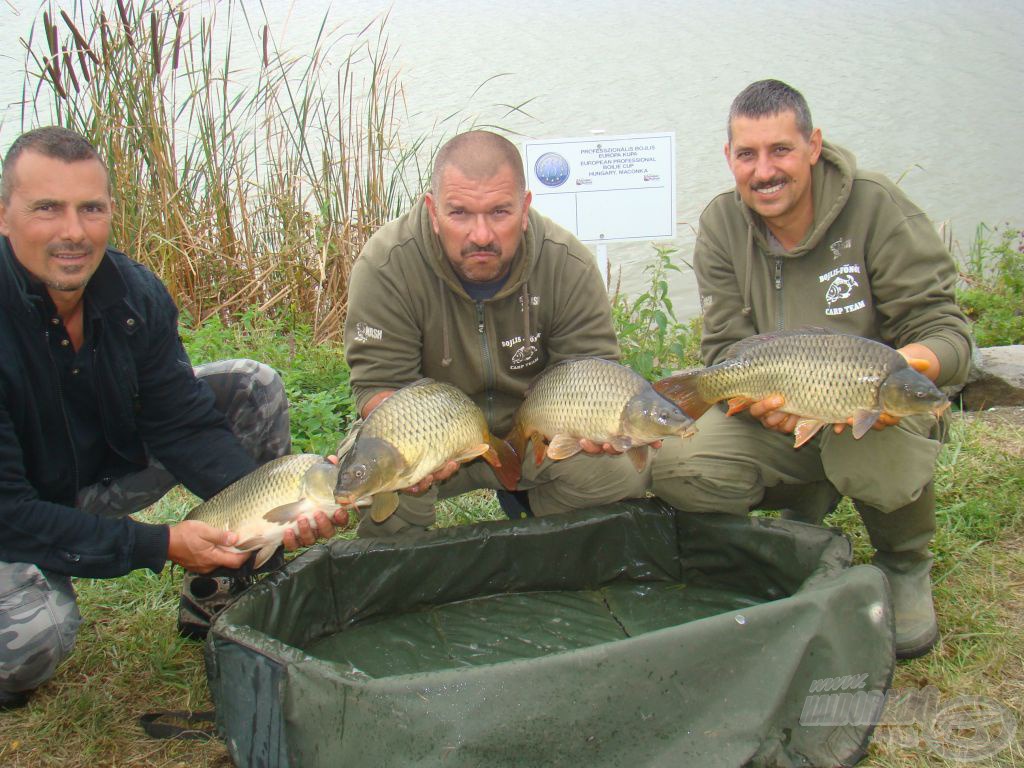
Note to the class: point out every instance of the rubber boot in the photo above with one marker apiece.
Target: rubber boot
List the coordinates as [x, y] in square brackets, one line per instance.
[901, 539]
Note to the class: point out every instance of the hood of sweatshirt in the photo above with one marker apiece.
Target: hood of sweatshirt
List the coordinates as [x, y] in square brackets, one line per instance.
[518, 278]
[831, 184]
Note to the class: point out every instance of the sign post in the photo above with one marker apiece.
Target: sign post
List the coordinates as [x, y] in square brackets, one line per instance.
[606, 188]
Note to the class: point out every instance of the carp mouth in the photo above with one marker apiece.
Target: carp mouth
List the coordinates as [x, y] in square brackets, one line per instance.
[351, 500]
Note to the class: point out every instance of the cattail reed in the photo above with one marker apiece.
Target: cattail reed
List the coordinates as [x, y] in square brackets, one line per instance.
[238, 196]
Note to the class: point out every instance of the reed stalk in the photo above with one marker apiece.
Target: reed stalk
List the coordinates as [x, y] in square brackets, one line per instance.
[239, 185]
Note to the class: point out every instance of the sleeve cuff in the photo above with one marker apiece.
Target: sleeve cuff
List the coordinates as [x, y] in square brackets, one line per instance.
[954, 357]
[150, 549]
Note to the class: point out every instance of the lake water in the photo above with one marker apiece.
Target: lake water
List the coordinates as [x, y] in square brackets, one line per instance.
[927, 90]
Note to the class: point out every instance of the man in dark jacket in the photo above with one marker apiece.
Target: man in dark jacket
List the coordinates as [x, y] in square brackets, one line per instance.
[100, 410]
[808, 239]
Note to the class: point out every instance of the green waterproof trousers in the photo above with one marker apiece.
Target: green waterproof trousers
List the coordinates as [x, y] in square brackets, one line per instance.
[733, 464]
[579, 482]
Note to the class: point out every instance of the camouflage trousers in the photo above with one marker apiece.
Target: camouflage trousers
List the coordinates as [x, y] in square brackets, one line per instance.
[39, 616]
[252, 398]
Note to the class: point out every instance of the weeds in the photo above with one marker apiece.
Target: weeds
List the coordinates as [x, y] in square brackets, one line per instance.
[991, 293]
[652, 341]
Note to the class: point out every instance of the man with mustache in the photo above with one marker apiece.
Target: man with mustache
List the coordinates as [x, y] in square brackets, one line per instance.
[474, 288]
[808, 239]
[101, 414]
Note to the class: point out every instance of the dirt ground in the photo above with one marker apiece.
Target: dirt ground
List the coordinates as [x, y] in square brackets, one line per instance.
[1005, 414]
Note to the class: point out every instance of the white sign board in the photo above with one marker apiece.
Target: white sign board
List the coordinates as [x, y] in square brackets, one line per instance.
[606, 188]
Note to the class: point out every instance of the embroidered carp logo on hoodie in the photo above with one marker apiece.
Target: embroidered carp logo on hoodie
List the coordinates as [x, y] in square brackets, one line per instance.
[844, 244]
[841, 288]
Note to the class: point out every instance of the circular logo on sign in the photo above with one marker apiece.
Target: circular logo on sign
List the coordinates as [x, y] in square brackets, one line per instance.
[552, 169]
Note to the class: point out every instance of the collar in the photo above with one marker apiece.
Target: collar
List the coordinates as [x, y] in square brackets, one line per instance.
[18, 287]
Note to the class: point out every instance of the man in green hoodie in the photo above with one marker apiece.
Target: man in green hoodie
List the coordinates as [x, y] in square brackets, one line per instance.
[807, 239]
[474, 288]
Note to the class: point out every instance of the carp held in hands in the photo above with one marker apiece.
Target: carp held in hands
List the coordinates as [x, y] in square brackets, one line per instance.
[825, 378]
[594, 399]
[270, 500]
[411, 434]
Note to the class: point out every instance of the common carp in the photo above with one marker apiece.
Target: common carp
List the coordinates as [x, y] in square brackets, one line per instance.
[594, 399]
[825, 378]
[270, 500]
[411, 434]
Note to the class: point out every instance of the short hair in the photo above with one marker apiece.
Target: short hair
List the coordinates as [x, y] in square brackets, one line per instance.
[767, 98]
[479, 155]
[50, 141]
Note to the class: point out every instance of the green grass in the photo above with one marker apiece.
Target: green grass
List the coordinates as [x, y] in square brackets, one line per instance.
[315, 375]
[129, 659]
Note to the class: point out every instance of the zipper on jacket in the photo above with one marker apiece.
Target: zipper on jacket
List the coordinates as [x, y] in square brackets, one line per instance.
[778, 294]
[102, 403]
[488, 368]
[63, 410]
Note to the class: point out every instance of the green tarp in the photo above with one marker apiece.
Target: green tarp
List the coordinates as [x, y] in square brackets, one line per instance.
[631, 635]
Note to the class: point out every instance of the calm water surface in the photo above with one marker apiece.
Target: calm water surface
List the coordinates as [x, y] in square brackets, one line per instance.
[927, 90]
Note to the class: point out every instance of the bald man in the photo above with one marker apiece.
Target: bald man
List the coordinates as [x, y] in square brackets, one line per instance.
[473, 288]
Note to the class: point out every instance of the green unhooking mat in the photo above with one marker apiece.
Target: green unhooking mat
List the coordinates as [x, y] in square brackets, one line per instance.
[632, 635]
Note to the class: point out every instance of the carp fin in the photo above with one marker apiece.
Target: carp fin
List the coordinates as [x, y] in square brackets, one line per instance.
[744, 346]
[683, 390]
[266, 549]
[517, 439]
[738, 404]
[504, 461]
[638, 455]
[250, 544]
[619, 443]
[539, 449]
[265, 554]
[562, 447]
[384, 504]
[476, 451]
[805, 430]
[863, 420]
[286, 513]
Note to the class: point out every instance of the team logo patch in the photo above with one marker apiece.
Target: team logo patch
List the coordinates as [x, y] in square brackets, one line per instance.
[366, 333]
[525, 352]
[842, 284]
